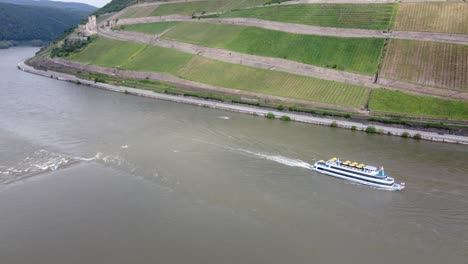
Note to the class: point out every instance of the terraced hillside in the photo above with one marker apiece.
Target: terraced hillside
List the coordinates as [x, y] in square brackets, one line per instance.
[364, 16]
[431, 63]
[349, 54]
[298, 51]
[134, 56]
[433, 17]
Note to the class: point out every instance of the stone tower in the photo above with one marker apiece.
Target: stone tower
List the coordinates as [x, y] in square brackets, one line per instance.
[90, 28]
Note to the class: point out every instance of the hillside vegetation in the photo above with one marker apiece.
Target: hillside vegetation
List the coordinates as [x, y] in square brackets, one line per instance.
[25, 23]
[116, 5]
[188, 8]
[348, 54]
[150, 28]
[364, 16]
[140, 57]
[433, 17]
[437, 64]
[139, 11]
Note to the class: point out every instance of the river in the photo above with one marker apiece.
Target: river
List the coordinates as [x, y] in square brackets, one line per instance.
[91, 176]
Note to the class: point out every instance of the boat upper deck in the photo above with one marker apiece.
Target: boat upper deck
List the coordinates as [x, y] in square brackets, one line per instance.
[355, 167]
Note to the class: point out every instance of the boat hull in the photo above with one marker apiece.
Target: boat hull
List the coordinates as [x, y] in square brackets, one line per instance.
[392, 187]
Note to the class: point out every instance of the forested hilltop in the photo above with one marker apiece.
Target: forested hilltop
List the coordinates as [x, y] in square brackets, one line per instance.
[37, 24]
[116, 5]
[71, 6]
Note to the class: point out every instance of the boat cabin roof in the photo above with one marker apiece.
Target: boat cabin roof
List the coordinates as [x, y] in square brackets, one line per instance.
[372, 168]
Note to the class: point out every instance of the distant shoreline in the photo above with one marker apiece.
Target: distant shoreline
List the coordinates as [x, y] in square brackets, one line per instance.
[385, 130]
[6, 44]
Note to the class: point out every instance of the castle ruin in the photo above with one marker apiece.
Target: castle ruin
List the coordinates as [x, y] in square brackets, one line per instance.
[89, 28]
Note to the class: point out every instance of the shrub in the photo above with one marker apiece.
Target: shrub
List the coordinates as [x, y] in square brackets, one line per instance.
[417, 136]
[97, 79]
[270, 115]
[334, 124]
[405, 134]
[292, 108]
[126, 92]
[353, 128]
[281, 107]
[371, 129]
[70, 46]
[285, 118]
[347, 116]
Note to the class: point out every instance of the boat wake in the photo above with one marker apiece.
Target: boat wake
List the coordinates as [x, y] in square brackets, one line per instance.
[280, 159]
[43, 161]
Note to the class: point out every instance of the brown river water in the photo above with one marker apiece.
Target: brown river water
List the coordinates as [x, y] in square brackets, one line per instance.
[91, 176]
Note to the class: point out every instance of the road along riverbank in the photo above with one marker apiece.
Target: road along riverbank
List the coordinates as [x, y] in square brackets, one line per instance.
[248, 109]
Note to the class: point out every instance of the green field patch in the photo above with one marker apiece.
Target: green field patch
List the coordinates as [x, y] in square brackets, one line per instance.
[131, 56]
[199, 7]
[140, 57]
[358, 55]
[402, 103]
[107, 52]
[158, 59]
[272, 82]
[364, 16]
[150, 28]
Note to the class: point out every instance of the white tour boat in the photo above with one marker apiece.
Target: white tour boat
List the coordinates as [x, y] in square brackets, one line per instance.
[357, 172]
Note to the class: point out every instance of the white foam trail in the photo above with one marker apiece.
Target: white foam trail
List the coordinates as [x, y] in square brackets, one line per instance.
[44, 161]
[124, 147]
[224, 117]
[96, 157]
[281, 159]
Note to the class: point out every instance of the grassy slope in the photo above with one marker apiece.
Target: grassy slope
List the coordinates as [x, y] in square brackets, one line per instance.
[142, 11]
[107, 52]
[150, 28]
[134, 56]
[433, 17]
[431, 63]
[398, 102]
[365, 16]
[274, 83]
[131, 56]
[348, 54]
[189, 8]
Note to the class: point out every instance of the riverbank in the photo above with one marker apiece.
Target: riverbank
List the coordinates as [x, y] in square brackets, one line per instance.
[251, 110]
